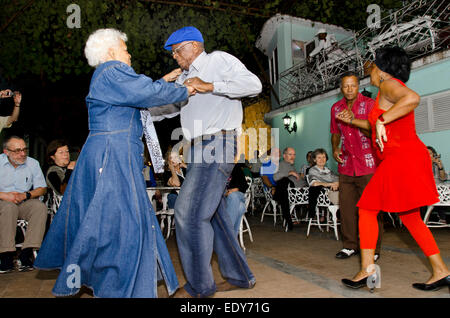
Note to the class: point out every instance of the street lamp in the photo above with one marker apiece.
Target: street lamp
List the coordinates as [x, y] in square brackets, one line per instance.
[287, 123]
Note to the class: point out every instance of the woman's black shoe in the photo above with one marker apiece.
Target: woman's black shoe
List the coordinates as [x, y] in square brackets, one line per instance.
[355, 284]
[433, 286]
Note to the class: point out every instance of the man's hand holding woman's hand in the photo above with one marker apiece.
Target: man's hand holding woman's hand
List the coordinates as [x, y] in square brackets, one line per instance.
[199, 85]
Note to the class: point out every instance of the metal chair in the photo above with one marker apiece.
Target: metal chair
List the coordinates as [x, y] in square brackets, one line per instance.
[271, 203]
[256, 190]
[244, 227]
[52, 202]
[331, 216]
[444, 200]
[297, 196]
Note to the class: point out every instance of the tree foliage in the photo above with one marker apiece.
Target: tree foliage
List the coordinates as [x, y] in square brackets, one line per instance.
[38, 41]
[44, 58]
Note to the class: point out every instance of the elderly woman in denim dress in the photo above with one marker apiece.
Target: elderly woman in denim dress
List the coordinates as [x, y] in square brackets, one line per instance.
[105, 234]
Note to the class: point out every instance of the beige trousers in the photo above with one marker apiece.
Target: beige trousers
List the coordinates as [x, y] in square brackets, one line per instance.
[34, 212]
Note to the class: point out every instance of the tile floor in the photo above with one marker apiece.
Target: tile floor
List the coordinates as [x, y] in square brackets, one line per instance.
[290, 265]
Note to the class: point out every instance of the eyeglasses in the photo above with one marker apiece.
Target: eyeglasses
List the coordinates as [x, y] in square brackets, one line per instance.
[19, 150]
[175, 51]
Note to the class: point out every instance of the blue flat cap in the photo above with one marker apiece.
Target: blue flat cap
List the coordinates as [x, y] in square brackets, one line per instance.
[188, 33]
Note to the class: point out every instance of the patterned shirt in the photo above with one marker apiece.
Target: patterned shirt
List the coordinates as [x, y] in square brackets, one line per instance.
[357, 154]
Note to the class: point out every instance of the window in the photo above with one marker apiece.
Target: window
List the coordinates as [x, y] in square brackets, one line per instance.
[433, 113]
[273, 67]
[298, 51]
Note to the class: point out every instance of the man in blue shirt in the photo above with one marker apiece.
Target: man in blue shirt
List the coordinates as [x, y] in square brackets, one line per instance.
[21, 184]
[269, 168]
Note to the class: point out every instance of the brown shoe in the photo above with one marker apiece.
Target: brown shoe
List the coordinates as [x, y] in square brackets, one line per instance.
[181, 293]
[226, 286]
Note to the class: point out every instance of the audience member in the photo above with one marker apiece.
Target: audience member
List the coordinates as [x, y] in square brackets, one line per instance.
[6, 122]
[305, 168]
[174, 175]
[235, 196]
[255, 166]
[320, 176]
[285, 176]
[21, 184]
[268, 169]
[58, 174]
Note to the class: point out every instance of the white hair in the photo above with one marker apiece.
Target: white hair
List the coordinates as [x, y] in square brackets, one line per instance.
[100, 42]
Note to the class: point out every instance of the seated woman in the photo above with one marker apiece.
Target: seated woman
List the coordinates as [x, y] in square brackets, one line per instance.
[319, 176]
[174, 175]
[58, 174]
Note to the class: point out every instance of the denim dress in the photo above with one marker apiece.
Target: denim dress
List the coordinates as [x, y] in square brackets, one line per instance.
[105, 234]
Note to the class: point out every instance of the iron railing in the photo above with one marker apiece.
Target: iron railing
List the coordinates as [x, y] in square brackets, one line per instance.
[420, 27]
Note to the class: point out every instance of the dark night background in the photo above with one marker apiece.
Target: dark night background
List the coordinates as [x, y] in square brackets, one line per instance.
[41, 57]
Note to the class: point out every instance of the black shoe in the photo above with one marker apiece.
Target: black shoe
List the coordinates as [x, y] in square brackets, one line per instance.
[433, 286]
[26, 257]
[6, 262]
[355, 284]
[346, 253]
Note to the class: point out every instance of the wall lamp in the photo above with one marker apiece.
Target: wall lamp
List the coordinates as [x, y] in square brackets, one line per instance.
[287, 123]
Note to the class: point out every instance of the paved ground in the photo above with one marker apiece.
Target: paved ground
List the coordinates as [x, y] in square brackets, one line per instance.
[290, 265]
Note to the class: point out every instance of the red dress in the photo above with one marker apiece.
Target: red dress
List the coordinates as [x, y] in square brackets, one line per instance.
[404, 179]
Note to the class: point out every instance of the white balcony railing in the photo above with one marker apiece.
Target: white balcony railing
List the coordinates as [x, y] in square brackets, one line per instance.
[420, 27]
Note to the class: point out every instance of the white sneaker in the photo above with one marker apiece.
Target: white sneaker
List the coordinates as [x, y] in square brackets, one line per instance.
[346, 253]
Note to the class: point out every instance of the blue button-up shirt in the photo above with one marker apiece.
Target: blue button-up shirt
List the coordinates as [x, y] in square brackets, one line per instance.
[21, 179]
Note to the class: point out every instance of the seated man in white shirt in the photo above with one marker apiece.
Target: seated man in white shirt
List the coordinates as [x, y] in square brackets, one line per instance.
[21, 184]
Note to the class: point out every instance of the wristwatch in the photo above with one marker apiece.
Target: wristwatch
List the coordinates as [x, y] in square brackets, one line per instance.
[28, 194]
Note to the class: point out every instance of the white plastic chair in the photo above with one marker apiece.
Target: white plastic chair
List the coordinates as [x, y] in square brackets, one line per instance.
[331, 215]
[297, 196]
[275, 207]
[244, 227]
[53, 202]
[256, 190]
[444, 200]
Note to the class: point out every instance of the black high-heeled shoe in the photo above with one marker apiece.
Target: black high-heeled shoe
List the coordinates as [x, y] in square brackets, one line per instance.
[354, 284]
[433, 286]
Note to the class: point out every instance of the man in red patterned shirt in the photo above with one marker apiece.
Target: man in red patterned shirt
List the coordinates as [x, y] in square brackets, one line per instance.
[352, 150]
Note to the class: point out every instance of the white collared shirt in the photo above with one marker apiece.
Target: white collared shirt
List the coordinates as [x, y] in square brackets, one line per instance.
[208, 113]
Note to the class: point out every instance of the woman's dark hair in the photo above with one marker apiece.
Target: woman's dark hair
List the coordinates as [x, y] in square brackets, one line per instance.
[432, 150]
[53, 146]
[394, 61]
[319, 151]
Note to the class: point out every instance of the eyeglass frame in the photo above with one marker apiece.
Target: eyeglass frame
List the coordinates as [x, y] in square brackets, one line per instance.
[19, 150]
[175, 51]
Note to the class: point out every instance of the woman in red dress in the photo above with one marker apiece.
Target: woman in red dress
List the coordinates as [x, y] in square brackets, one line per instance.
[404, 188]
